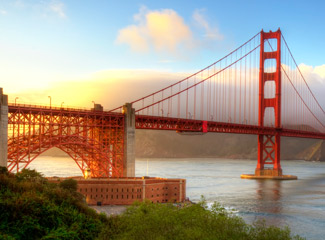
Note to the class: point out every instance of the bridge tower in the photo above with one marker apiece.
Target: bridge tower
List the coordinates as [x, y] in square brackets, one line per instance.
[3, 129]
[269, 145]
[268, 153]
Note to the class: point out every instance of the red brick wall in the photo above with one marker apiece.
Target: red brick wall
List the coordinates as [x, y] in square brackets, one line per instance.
[125, 191]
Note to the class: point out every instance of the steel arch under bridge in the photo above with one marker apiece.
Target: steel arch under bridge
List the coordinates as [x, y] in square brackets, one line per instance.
[93, 139]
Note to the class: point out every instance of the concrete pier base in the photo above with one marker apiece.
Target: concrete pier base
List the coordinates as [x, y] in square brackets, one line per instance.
[3, 129]
[275, 174]
[129, 141]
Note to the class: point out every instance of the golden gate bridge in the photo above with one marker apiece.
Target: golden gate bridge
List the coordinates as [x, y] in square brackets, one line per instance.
[256, 89]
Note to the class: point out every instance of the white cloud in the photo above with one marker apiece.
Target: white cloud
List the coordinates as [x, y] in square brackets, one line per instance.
[111, 88]
[166, 32]
[315, 77]
[211, 33]
[162, 31]
[3, 12]
[57, 8]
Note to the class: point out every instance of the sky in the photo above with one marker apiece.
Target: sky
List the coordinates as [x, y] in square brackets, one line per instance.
[112, 52]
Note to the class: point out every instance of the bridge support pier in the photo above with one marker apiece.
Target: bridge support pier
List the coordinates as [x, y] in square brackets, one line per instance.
[129, 141]
[3, 129]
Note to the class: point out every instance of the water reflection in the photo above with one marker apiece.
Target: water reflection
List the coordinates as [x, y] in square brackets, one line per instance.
[269, 201]
[267, 190]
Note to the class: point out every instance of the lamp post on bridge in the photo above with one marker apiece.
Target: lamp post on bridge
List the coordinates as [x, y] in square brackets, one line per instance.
[50, 101]
[16, 100]
[62, 104]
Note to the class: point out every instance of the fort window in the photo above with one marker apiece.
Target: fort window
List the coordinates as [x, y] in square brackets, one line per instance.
[112, 189]
[106, 196]
[116, 196]
[122, 189]
[106, 189]
[111, 196]
[122, 196]
[101, 190]
[116, 189]
[96, 189]
[127, 196]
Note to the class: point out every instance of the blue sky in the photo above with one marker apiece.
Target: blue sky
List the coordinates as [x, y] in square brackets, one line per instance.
[47, 45]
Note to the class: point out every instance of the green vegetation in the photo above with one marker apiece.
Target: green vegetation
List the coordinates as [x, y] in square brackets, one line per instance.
[166, 221]
[33, 208]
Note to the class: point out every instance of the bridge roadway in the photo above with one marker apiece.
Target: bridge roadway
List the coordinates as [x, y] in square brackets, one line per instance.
[166, 123]
[186, 125]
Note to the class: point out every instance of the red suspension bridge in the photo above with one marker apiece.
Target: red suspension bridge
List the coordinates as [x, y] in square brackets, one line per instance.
[256, 89]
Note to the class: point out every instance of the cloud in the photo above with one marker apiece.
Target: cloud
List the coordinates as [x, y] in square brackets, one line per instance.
[57, 8]
[3, 12]
[111, 88]
[211, 33]
[135, 36]
[162, 31]
[315, 78]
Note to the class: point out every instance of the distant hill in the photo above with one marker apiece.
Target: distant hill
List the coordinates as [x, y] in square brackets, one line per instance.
[153, 143]
[169, 144]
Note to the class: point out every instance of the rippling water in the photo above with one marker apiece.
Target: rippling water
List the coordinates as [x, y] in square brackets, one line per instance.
[298, 204]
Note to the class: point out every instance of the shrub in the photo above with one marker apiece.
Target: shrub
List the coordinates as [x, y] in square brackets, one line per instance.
[69, 184]
[33, 208]
[30, 175]
[166, 221]
[3, 170]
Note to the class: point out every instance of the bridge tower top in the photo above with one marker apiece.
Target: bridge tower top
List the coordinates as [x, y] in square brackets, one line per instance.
[265, 76]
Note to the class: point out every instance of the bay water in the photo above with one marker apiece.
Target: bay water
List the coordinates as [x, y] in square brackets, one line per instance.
[298, 204]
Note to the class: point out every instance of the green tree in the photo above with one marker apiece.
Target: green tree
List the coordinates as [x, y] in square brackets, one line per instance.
[69, 184]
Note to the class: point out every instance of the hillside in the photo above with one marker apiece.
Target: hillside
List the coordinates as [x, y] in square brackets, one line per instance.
[169, 144]
[151, 143]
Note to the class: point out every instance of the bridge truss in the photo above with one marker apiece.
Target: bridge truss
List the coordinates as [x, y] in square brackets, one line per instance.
[93, 139]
